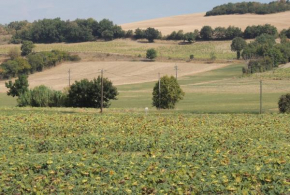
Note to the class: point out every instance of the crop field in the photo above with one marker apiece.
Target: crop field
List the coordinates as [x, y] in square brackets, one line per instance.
[52, 152]
[165, 49]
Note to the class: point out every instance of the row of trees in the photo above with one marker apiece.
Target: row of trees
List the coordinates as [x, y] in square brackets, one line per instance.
[31, 62]
[87, 94]
[221, 33]
[250, 7]
[57, 30]
[82, 30]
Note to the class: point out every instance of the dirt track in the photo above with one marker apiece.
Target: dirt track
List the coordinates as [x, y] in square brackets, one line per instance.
[190, 22]
[120, 73]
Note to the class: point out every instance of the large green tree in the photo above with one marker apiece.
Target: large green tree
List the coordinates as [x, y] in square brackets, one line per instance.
[238, 44]
[170, 93]
[19, 87]
[206, 33]
[151, 34]
[87, 94]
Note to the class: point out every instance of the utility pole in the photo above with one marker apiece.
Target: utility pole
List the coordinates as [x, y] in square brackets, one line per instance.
[176, 70]
[261, 96]
[159, 90]
[69, 77]
[102, 90]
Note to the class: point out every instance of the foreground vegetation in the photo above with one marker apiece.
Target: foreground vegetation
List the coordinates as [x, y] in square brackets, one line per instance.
[43, 152]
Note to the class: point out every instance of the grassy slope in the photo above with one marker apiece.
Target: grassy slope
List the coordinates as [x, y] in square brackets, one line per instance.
[218, 91]
[166, 49]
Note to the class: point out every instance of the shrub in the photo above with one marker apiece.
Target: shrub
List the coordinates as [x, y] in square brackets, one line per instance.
[14, 53]
[284, 103]
[42, 96]
[151, 54]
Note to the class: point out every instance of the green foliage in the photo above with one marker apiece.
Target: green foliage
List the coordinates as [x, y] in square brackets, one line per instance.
[151, 34]
[26, 47]
[12, 68]
[255, 31]
[250, 7]
[259, 65]
[170, 93]
[35, 62]
[139, 34]
[20, 86]
[206, 33]
[83, 153]
[57, 30]
[108, 35]
[151, 54]
[42, 96]
[87, 94]
[265, 47]
[284, 103]
[238, 44]
[190, 37]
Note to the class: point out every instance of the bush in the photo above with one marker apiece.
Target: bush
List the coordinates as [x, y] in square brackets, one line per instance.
[14, 53]
[151, 54]
[74, 58]
[26, 47]
[191, 57]
[42, 96]
[284, 103]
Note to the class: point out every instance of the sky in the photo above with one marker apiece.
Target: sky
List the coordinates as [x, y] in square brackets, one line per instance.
[119, 11]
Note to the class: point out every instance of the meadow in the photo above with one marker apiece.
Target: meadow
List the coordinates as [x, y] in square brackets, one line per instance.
[223, 90]
[166, 49]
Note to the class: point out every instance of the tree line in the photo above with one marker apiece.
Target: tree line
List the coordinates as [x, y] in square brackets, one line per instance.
[83, 30]
[30, 62]
[222, 33]
[57, 30]
[250, 7]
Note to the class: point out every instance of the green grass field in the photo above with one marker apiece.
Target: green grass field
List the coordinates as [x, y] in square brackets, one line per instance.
[218, 91]
[76, 151]
[165, 49]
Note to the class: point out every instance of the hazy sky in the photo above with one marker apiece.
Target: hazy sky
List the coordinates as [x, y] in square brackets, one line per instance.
[120, 11]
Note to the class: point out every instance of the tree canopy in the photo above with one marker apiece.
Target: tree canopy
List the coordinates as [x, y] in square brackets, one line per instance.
[170, 93]
[87, 94]
[250, 7]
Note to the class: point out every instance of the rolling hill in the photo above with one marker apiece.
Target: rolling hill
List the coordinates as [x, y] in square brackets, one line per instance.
[191, 22]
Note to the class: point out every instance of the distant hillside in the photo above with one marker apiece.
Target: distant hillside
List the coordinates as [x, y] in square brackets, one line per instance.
[190, 22]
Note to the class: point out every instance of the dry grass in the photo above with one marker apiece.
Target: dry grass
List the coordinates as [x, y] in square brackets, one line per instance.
[197, 21]
[119, 73]
[165, 49]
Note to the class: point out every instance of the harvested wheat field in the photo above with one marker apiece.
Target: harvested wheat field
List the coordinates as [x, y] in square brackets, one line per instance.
[119, 73]
[190, 22]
